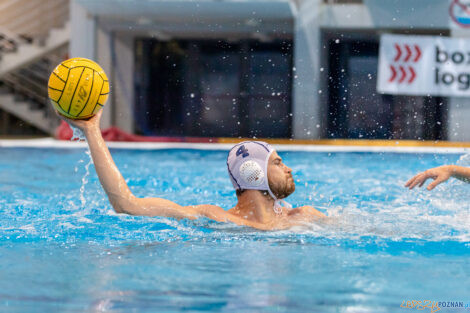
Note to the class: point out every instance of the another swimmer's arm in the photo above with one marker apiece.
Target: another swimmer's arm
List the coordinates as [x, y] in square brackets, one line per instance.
[461, 173]
[439, 175]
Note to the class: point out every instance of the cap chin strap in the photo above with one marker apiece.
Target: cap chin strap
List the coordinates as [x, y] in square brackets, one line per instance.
[279, 204]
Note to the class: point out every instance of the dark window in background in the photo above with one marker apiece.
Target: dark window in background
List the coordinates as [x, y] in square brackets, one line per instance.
[213, 88]
[356, 110]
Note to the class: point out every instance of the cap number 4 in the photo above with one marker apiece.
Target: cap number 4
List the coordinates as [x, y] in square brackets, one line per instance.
[243, 151]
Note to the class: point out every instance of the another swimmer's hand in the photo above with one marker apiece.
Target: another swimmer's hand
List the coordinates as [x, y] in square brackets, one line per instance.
[85, 125]
[439, 174]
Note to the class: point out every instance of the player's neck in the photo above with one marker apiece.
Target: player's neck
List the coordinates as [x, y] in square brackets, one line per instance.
[256, 206]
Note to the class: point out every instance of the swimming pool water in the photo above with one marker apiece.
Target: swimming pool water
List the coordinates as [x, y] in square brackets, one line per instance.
[63, 249]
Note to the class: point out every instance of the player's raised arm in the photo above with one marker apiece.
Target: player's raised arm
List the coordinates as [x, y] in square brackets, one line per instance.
[119, 194]
[439, 175]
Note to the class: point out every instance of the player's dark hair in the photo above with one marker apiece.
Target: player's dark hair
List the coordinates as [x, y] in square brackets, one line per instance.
[239, 192]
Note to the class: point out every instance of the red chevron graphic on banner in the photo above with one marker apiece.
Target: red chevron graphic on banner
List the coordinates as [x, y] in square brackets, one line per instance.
[418, 54]
[403, 74]
[409, 53]
[397, 57]
[413, 75]
[404, 53]
[394, 74]
[408, 76]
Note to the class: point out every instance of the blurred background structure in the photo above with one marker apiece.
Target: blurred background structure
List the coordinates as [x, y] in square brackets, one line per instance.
[303, 69]
[34, 35]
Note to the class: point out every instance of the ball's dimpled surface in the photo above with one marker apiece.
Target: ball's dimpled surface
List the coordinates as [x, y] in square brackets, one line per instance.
[78, 88]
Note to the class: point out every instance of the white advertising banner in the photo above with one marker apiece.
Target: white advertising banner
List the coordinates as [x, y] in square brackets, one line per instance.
[424, 65]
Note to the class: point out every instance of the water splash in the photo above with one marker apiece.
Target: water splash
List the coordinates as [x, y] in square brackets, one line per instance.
[78, 134]
[464, 160]
[85, 178]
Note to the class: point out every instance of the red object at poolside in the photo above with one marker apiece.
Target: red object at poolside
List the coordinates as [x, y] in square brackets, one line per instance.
[64, 132]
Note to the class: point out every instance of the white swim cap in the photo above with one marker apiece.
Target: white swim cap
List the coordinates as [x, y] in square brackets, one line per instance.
[247, 165]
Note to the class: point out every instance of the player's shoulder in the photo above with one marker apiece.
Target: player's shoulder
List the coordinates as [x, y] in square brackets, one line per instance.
[219, 214]
[306, 210]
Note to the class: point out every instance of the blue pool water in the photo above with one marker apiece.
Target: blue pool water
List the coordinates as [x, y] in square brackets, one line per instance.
[63, 249]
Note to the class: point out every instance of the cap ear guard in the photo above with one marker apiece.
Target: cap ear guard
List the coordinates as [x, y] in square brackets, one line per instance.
[251, 173]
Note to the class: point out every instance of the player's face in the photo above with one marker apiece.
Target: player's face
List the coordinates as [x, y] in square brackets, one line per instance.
[280, 177]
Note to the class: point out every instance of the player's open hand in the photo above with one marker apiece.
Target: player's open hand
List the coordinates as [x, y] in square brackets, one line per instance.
[86, 124]
[438, 174]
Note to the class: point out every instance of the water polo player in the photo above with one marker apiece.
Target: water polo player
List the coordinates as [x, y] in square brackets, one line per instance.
[260, 178]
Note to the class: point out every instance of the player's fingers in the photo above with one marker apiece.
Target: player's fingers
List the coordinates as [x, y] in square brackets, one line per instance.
[418, 179]
[422, 181]
[436, 182]
[411, 180]
[410, 183]
[415, 183]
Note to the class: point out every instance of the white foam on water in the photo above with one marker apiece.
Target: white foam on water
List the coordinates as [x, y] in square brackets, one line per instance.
[69, 225]
[80, 218]
[430, 216]
[464, 160]
[29, 228]
[24, 202]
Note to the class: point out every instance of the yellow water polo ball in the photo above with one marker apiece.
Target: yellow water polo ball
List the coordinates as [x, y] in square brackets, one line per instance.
[78, 88]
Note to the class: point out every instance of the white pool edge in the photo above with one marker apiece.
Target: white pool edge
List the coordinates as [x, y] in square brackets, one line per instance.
[53, 143]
